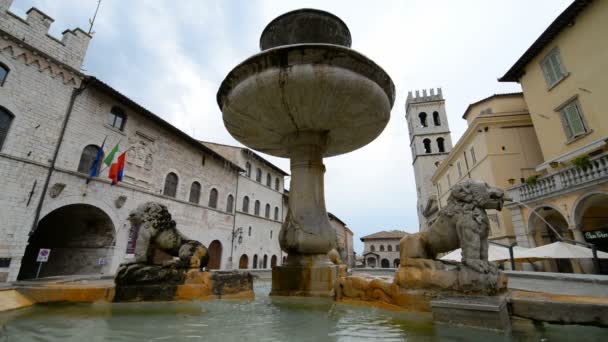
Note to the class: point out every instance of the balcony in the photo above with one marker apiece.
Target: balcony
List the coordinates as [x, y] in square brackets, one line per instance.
[563, 180]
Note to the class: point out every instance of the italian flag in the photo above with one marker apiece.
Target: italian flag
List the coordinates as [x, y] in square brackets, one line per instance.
[117, 169]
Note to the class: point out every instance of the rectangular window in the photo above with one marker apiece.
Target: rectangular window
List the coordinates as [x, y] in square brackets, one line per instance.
[572, 119]
[5, 262]
[459, 170]
[473, 158]
[553, 68]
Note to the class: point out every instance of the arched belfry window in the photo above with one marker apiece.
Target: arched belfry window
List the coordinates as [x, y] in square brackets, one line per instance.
[117, 118]
[256, 208]
[87, 158]
[171, 185]
[246, 204]
[422, 117]
[436, 119]
[195, 192]
[427, 145]
[3, 73]
[440, 144]
[268, 180]
[6, 118]
[229, 203]
[213, 198]
[267, 211]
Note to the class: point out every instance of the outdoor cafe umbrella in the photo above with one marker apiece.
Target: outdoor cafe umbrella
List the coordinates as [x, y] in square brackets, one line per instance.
[558, 250]
[495, 253]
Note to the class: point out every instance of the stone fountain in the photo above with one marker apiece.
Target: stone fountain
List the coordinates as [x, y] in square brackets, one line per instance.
[306, 96]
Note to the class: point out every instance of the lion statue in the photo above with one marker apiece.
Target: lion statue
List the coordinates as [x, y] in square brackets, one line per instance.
[462, 223]
[157, 230]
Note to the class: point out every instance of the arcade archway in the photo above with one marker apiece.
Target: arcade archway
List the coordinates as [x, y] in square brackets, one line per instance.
[541, 222]
[591, 217]
[243, 262]
[215, 255]
[79, 236]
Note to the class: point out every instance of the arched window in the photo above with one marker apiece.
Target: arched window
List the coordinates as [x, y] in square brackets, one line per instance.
[213, 198]
[397, 248]
[170, 185]
[271, 234]
[87, 158]
[427, 145]
[195, 192]
[255, 261]
[381, 248]
[371, 248]
[3, 73]
[440, 144]
[229, 203]
[276, 213]
[267, 211]
[268, 180]
[246, 204]
[422, 117]
[249, 231]
[256, 208]
[277, 184]
[248, 169]
[265, 263]
[436, 119]
[389, 248]
[258, 175]
[5, 124]
[117, 118]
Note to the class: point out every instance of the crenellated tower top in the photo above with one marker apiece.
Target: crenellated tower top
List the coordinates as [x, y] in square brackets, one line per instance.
[425, 97]
[34, 31]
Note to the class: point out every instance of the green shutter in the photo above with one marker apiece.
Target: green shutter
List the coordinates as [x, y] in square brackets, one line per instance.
[576, 121]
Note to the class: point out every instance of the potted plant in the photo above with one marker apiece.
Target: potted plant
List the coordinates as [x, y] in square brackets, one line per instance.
[554, 164]
[582, 162]
[511, 181]
[531, 180]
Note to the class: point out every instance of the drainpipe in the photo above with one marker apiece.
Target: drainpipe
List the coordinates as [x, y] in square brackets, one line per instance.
[64, 125]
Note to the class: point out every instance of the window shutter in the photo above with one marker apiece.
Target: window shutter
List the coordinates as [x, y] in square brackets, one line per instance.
[565, 123]
[557, 67]
[575, 120]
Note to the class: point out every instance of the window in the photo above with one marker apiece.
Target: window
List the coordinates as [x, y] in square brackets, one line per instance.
[5, 262]
[255, 261]
[371, 248]
[422, 117]
[436, 119]
[381, 248]
[268, 180]
[276, 213]
[277, 184]
[267, 211]
[459, 170]
[440, 144]
[246, 204]
[213, 198]
[229, 203]
[389, 248]
[248, 169]
[552, 68]
[195, 192]
[256, 208]
[87, 158]
[170, 185]
[117, 118]
[249, 231]
[271, 234]
[3, 74]
[473, 158]
[427, 145]
[572, 119]
[5, 124]
[258, 175]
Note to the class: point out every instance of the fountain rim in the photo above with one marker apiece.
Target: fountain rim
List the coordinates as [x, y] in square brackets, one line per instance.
[239, 72]
[304, 10]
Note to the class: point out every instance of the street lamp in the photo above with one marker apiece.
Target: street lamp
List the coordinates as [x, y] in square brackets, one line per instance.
[236, 234]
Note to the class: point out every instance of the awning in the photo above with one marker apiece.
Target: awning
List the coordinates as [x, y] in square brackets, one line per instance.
[558, 250]
[495, 253]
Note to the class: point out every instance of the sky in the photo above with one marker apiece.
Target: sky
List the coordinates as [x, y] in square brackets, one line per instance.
[171, 56]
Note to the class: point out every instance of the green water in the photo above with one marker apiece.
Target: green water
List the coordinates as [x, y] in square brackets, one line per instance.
[262, 319]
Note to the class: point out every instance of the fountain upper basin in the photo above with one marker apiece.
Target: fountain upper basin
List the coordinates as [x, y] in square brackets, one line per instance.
[306, 87]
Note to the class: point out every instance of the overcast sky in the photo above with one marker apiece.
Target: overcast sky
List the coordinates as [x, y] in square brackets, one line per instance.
[171, 56]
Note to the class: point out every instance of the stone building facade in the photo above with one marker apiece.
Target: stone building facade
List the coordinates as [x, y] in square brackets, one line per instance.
[381, 249]
[430, 143]
[53, 120]
[345, 240]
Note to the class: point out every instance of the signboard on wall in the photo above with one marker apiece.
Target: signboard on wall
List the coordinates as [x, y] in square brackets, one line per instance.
[43, 255]
[596, 235]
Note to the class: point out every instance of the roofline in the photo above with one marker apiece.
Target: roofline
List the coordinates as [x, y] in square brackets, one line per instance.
[100, 85]
[519, 93]
[562, 21]
[336, 218]
[250, 151]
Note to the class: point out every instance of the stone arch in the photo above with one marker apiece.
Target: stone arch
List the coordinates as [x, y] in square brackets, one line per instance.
[79, 236]
[265, 262]
[215, 255]
[385, 263]
[532, 216]
[427, 145]
[584, 202]
[371, 262]
[436, 118]
[273, 261]
[243, 262]
[396, 263]
[255, 261]
[590, 215]
[542, 234]
[422, 117]
[441, 144]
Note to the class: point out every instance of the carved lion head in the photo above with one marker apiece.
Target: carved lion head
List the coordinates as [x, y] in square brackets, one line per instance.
[478, 193]
[153, 214]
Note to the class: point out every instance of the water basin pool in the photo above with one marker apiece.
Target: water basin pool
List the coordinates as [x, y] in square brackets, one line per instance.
[262, 319]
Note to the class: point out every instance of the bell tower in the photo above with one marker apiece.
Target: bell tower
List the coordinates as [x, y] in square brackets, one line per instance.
[430, 143]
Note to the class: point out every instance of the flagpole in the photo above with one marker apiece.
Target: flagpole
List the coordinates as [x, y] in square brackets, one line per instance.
[95, 163]
[105, 168]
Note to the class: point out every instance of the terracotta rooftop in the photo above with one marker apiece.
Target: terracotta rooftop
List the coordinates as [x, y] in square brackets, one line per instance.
[392, 234]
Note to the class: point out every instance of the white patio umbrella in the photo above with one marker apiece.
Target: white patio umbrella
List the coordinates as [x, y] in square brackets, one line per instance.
[558, 250]
[495, 253]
